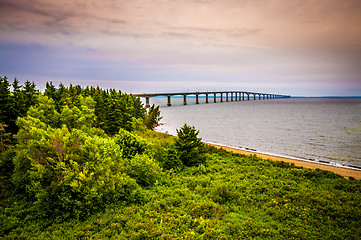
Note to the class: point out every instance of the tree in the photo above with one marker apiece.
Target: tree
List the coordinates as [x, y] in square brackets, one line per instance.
[189, 147]
[30, 94]
[152, 117]
[5, 100]
[4, 138]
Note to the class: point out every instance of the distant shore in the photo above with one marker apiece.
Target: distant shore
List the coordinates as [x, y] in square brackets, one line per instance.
[345, 172]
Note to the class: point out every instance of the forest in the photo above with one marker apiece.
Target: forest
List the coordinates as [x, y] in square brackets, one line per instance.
[86, 163]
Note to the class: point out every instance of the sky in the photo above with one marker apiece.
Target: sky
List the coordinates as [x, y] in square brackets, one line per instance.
[296, 47]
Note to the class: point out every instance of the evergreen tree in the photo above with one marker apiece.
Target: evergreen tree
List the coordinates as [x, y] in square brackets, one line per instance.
[30, 94]
[189, 147]
[4, 138]
[152, 117]
[5, 101]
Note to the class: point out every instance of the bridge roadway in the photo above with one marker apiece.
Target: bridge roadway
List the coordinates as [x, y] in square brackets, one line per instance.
[238, 95]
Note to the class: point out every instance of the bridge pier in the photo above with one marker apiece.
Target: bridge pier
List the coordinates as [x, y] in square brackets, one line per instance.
[206, 97]
[226, 97]
[197, 102]
[215, 97]
[247, 97]
[221, 97]
[147, 102]
[184, 99]
[169, 103]
[231, 97]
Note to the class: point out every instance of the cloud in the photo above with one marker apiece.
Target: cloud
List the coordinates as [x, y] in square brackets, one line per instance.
[209, 41]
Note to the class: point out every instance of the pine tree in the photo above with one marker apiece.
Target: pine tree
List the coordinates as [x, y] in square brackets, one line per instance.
[5, 101]
[189, 147]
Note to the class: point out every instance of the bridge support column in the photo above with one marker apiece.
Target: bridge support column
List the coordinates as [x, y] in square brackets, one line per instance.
[169, 103]
[221, 97]
[197, 102]
[243, 96]
[147, 105]
[254, 96]
[247, 97]
[215, 97]
[184, 99]
[232, 97]
[226, 97]
[206, 97]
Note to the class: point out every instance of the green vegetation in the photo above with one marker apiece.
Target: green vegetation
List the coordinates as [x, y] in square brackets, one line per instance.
[82, 162]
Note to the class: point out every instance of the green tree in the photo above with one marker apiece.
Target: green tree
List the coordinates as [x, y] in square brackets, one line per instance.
[190, 148]
[64, 166]
[30, 92]
[5, 138]
[152, 117]
[5, 101]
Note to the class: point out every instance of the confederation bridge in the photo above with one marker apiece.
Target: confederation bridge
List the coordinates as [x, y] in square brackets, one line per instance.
[227, 95]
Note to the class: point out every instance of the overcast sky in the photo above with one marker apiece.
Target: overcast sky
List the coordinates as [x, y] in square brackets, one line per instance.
[297, 47]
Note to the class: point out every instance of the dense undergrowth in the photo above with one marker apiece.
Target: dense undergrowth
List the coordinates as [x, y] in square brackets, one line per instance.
[69, 174]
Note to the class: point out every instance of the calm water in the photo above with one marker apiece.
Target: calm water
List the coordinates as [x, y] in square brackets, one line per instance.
[313, 129]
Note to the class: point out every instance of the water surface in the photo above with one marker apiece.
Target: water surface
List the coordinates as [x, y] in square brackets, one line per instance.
[317, 129]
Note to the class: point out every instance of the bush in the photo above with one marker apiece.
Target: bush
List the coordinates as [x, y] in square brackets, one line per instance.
[144, 169]
[131, 144]
[70, 172]
[171, 159]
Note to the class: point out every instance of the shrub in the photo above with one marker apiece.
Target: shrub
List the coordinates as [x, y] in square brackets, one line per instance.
[131, 144]
[144, 169]
[70, 172]
[171, 159]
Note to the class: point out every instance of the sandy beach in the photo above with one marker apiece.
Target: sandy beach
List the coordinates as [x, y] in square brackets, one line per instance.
[339, 170]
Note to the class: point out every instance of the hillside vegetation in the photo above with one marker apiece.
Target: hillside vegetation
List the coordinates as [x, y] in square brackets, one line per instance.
[84, 163]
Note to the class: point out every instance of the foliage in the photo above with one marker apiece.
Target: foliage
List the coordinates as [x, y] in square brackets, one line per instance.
[71, 173]
[130, 144]
[144, 169]
[171, 159]
[14, 104]
[68, 170]
[233, 197]
[4, 138]
[190, 148]
[152, 117]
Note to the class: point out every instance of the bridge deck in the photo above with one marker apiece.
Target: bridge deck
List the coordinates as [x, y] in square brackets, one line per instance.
[185, 94]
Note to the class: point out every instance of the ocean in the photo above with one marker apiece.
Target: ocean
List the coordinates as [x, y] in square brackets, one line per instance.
[324, 130]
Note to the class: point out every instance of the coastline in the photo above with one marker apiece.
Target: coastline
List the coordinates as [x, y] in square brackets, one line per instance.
[345, 172]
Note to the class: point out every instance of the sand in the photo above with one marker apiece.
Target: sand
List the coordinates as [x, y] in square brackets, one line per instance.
[346, 172]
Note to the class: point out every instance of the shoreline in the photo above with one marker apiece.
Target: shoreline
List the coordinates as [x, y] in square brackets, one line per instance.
[343, 171]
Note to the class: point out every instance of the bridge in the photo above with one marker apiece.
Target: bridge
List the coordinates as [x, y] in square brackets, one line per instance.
[229, 95]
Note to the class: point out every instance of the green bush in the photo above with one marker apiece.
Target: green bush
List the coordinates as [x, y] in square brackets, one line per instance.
[130, 144]
[144, 169]
[171, 159]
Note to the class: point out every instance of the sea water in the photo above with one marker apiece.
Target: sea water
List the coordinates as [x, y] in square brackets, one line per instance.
[325, 130]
